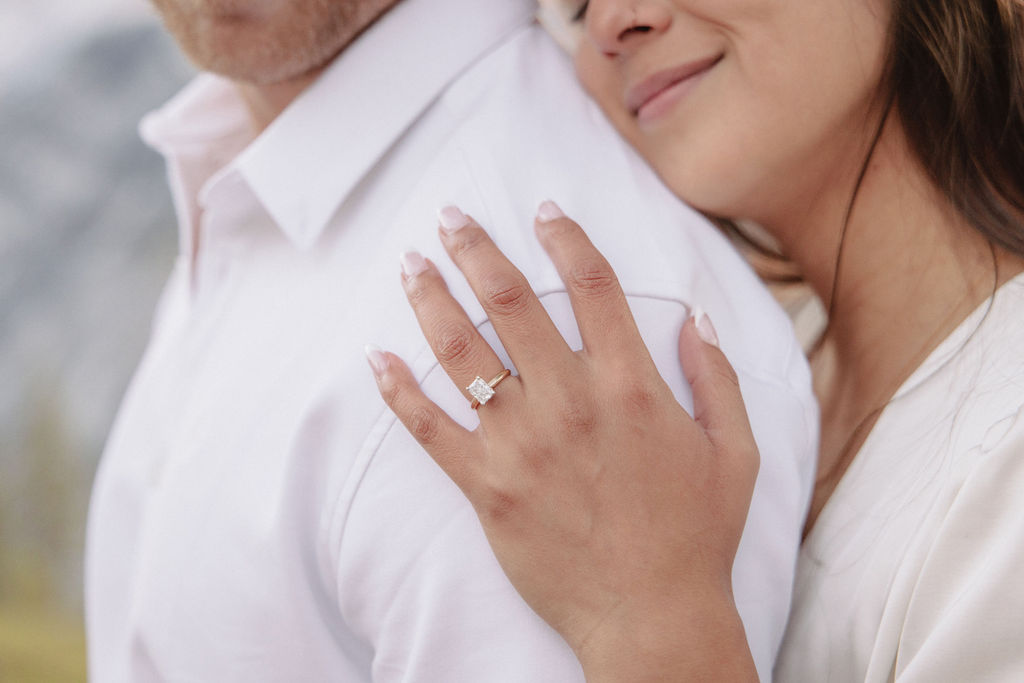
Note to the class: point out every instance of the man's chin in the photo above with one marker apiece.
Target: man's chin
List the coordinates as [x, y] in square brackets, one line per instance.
[255, 75]
[258, 66]
[284, 41]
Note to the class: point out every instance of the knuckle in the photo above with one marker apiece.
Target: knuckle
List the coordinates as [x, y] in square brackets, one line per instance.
[469, 238]
[723, 375]
[506, 295]
[391, 392]
[453, 343]
[577, 418]
[419, 289]
[593, 277]
[638, 398]
[499, 502]
[560, 228]
[423, 424]
[536, 460]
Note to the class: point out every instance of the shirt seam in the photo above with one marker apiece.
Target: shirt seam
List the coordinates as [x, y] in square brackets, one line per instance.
[387, 421]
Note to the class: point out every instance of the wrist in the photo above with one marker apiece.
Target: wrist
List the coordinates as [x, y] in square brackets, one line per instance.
[694, 636]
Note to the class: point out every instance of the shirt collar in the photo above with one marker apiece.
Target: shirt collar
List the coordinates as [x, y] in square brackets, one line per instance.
[207, 112]
[312, 156]
[305, 164]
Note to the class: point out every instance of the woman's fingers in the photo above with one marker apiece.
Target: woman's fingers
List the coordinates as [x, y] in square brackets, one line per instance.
[455, 449]
[524, 327]
[717, 402]
[456, 343]
[598, 302]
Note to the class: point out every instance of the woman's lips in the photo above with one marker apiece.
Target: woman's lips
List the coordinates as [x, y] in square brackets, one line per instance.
[657, 94]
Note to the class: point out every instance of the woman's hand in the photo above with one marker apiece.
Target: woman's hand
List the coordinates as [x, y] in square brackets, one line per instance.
[614, 513]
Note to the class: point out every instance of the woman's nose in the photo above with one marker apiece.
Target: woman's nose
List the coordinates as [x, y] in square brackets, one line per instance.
[618, 27]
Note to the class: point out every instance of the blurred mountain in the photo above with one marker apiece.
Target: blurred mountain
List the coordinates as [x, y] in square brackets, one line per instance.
[87, 237]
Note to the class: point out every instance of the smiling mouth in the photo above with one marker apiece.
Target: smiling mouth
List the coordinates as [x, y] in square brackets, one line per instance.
[650, 97]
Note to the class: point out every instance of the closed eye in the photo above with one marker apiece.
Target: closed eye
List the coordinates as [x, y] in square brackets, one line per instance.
[581, 13]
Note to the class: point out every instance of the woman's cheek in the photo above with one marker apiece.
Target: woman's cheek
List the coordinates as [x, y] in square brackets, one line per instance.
[703, 151]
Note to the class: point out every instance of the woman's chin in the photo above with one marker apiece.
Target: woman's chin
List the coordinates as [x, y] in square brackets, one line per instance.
[708, 193]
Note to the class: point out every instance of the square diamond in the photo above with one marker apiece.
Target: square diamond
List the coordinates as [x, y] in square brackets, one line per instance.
[480, 390]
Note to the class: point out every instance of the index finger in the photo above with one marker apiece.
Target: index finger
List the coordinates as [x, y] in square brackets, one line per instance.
[606, 324]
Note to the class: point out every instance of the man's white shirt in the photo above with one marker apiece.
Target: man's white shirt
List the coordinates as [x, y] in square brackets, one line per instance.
[259, 515]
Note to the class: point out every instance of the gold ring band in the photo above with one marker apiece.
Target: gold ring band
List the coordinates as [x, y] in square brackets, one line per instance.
[482, 391]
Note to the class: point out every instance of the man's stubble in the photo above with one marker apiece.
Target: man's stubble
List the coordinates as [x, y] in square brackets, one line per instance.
[267, 42]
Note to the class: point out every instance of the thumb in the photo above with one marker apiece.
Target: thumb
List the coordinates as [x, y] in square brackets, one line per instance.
[717, 402]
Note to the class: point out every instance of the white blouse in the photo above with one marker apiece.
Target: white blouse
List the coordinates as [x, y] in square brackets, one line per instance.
[914, 571]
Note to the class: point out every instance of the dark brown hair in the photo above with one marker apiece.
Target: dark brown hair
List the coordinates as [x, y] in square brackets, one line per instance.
[955, 79]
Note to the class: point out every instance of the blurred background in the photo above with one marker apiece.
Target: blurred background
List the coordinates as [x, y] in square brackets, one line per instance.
[87, 238]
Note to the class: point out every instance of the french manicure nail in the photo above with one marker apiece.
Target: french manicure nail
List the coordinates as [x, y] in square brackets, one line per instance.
[412, 263]
[452, 219]
[705, 330]
[549, 211]
[378, 361]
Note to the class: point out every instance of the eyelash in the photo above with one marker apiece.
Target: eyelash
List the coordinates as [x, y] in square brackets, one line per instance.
[582, 12]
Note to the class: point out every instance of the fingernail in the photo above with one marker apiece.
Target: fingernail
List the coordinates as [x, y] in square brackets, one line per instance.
[549, 211]
[412, 263]
[452, 219]
[378, 361]
[705, 330]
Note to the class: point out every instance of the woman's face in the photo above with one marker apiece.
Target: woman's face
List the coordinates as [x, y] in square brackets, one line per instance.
[743, 106]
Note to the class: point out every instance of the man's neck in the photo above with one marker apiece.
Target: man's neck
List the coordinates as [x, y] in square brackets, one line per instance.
[266, 102]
